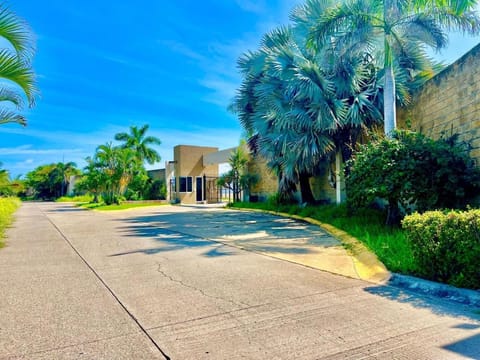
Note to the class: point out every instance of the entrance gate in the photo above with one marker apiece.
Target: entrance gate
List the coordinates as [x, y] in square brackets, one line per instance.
[215, 193]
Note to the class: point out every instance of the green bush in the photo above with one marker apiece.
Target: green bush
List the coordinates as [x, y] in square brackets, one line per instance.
[446, 246]
[413, 171]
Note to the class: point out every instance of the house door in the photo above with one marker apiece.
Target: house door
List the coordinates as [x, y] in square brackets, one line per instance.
[199, 188]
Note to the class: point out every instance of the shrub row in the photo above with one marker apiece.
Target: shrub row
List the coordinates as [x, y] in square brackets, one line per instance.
[446, 246]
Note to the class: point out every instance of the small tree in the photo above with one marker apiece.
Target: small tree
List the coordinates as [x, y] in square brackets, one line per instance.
[237, 179]
[412, 171]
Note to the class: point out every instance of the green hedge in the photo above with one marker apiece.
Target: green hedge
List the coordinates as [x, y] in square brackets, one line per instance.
[446, 246]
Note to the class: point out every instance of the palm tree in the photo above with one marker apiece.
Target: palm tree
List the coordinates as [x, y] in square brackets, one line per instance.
[65, 171]
[16, 67]
[295, 101]
[118, 166]
[395, 32]
[138, 142]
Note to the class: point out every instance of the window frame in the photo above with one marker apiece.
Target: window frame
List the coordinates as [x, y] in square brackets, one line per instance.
[188, 185]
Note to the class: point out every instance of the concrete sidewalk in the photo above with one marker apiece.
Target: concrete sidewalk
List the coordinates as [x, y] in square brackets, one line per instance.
[154, 283]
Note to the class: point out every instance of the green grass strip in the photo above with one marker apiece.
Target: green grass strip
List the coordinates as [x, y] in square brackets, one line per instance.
[8, 206]
[78, 198]
[123, 206]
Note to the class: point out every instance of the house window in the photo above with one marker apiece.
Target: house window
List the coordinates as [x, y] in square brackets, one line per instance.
[185, 184]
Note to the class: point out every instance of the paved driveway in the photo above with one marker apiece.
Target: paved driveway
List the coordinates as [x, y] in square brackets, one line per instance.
[151, 283]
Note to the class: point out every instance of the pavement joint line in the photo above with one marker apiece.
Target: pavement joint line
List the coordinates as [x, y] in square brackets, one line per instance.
[385, 340]
[143, 330]
[254, 307]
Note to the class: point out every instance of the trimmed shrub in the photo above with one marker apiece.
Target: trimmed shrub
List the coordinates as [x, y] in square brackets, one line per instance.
[413, 171]
[446, 246]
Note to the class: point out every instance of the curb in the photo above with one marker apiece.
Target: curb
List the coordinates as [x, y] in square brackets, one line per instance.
[366, 263]
[370, 269]
[431, 288]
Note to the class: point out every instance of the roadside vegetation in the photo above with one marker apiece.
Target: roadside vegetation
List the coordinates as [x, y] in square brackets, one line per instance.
[325, 88]
[8, 206]
[122, 206]
[87, 198]
[113, 174]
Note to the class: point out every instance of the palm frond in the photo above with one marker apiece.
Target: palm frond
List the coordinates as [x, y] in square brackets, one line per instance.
[11, 96]
[17, 32]
[12, 68]
[7, 116]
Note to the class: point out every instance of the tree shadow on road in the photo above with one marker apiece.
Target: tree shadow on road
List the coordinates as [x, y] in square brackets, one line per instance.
[436, 305]
[170, 240]
[203, 229]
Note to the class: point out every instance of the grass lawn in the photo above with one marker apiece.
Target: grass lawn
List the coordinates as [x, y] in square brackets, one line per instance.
[123, 206]
[389, 244]
[78, 198]
[8, 206]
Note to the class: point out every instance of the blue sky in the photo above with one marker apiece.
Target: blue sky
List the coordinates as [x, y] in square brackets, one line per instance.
[106, 65]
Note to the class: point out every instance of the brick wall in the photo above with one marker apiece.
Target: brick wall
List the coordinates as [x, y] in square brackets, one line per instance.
[449, 103]
[267, 184]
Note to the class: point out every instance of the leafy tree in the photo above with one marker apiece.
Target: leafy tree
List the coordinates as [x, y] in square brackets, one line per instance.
[117, 167]
[396, 34]
[5, 189]
[16, 67]
[140, 143]
[414, 172]
[65, 171]
[51, 181]
[156, 189]
[92, 180]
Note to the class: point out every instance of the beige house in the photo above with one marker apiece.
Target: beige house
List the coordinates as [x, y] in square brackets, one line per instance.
[192, 176]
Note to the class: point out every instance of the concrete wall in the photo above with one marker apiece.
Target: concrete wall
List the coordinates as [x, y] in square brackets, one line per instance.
[188, 161]
[450, 103]
[219, 157]
[157, 174]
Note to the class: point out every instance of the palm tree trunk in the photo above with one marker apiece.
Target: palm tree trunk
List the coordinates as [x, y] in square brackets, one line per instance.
[338, 176]
[305, 189]
[393, 214]
[389, 111]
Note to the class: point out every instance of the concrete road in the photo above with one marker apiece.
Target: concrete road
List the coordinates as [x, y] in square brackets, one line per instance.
[152, 283]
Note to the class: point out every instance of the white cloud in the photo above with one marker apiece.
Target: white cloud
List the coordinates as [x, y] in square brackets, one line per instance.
[182, 49]
[29, 150]
[255, 6]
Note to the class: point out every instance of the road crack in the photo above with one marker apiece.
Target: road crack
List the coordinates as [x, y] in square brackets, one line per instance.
[202, 292]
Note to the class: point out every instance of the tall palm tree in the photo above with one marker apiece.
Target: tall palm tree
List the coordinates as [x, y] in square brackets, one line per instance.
[16, 66]
[392, 31]
[295, 101]
[140, 143]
